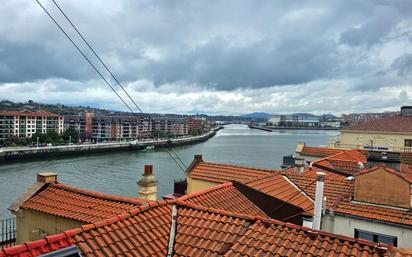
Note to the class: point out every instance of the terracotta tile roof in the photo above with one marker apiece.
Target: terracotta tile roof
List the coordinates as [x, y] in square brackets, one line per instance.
[346, 161]
[29, 114]
[224, 197]
[200, 231]
[397, 123]
[286, 240]
[319, 151]
[221, 173]
[339, 194]
[280, 187]
[79, 204]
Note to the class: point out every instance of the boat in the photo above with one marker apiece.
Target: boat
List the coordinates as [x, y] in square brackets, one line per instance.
[148, 149]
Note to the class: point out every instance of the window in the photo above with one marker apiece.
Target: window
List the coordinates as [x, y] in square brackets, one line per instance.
[376, 237]
[408, 142]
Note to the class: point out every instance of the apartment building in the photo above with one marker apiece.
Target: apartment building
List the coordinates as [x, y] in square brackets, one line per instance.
[109, 127]
[120, 127]
[392, 133]
[195, 125]
[171, 125]
[26, 123]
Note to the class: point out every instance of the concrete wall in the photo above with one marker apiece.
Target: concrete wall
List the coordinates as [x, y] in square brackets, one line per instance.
[346, 226]
[32, 225]
[194, 185]
[353, 139]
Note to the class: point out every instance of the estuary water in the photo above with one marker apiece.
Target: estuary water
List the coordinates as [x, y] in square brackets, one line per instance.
[117, 173]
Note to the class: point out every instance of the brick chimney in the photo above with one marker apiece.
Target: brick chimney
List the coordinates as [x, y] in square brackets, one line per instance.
[148, 184]
[47, 177]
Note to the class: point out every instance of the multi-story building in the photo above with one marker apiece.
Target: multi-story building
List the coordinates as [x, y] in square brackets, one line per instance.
[109, 127]
[82, 123]
[170, 125]
[26, 123]
[195, 125]
[392, 133]
[121, 127]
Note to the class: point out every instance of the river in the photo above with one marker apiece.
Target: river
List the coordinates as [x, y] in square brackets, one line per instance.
[117, 173]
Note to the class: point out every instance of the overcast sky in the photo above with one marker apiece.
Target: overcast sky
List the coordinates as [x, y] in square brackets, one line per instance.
[215, 57]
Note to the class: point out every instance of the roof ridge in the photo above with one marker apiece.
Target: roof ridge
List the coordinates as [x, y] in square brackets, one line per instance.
[322, 232]
[240, 166]
[70, 233]
[109, 197]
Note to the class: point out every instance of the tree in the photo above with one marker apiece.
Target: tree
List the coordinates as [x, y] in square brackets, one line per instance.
[71, 133]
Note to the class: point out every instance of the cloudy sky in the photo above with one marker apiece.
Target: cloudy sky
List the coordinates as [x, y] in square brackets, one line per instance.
[215, 57]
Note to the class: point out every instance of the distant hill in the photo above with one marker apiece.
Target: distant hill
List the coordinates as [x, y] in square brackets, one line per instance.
[6, 105]
[257, 115]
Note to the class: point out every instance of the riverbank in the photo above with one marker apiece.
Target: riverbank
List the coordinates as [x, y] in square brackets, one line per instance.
[22, 153]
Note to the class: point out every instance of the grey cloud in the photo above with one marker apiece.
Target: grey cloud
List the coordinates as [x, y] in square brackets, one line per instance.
[403, 64]
[374, 29]
[163, 47]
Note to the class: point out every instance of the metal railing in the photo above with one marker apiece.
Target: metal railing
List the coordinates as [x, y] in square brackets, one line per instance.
[7, 232]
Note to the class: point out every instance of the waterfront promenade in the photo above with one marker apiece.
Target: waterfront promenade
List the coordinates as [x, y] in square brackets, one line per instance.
[17, 153]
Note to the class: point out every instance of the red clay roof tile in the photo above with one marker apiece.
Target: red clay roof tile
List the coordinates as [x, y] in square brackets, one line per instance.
[221, 173]
[399, 123]
[201, 232]
[224, 197]
[319, 151]
[79, 204]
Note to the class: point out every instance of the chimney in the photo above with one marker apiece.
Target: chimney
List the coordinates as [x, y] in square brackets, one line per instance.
[47, 177]
[148, 184]
[320, 178]
[198, 158]
[299, 165]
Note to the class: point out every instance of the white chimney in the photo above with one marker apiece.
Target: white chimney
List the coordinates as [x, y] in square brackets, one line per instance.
[299, 165]
[320, 178]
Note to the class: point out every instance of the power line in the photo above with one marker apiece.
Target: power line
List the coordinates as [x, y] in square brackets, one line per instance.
[97, 56]
[81, 52]
[108, 70]
[94, 67]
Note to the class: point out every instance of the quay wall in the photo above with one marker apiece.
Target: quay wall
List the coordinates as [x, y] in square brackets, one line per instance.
[21, 153]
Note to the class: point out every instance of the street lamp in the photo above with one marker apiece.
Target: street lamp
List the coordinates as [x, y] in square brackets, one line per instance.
[70, 140]
[37, 142]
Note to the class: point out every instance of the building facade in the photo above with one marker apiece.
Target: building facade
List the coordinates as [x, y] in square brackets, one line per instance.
[26, 123]
[171, 125]
[109, 127]
[393, 133]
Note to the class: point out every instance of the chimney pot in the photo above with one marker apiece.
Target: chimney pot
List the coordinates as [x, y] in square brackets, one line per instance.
[148, 169]
[47, 177]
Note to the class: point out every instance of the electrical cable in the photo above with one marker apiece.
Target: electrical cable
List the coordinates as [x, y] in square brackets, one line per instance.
[100, 74]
